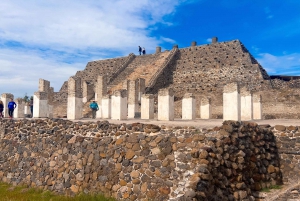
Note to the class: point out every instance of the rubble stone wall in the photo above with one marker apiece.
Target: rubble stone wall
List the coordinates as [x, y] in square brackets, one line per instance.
[143, 161]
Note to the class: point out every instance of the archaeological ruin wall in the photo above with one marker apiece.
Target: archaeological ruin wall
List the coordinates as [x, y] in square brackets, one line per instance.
[143, 161]
[202, 70]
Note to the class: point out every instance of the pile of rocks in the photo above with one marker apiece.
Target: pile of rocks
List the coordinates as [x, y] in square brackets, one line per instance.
[140, 161]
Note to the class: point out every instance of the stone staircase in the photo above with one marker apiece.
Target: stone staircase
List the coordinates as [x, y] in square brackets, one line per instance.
[144, 66]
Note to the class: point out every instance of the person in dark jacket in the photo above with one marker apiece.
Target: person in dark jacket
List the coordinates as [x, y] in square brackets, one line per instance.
[11, 107]
[140, 50]
[31, 106]
[1, 109]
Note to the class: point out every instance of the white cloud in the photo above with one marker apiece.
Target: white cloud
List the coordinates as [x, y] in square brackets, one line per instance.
[53, 39]
[280, 65]
[21, 70]
[82, 24]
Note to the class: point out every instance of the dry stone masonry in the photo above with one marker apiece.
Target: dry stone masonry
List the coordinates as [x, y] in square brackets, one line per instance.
[147, 162]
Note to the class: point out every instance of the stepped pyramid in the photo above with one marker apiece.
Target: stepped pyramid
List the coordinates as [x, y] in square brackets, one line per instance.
[202, 70]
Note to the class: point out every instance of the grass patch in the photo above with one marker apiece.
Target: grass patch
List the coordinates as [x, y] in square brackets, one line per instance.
[271, 187]
[19, 193]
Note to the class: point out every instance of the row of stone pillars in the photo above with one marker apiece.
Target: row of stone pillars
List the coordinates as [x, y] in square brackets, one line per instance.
[241, 104]
[237, 104]
[42, 100]
[125, 103]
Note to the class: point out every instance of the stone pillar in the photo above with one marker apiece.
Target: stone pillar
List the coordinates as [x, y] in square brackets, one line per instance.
[175, 46]
[165, 104]
[27, 110]
[119, 105]
[74, 105]
[214, 40]
[141, 88]
[101, 90]
[5, 99]
[158, 50]
[50, 111]
[205, 108]
[147, 106]
[231, 102]
[106, 107]
[132, 98]
[19, 111]
[44, 85]
[40, 106]
[194, 43]
[87, 91]
[188, 107]
[246, 104]
[257, 107]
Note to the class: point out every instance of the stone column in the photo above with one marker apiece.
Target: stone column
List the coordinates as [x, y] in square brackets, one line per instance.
[40, 106]
[106, 107]
[19, 111]
[119, 105]
[214, 39]
[74, 105]
[158, 50]
[165, 104]
[5, 99]
[44, 85]
[257, 106]
[27, 110]
[50, 111]
[205, 108]
[147, 106]
[101, 90]
[141, 87]
[87, 91]
[132, 98]
[188, 106]
[246, 104]
[231, 102]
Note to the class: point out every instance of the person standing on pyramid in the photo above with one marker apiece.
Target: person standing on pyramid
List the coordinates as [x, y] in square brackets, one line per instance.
[140, 50]
[144, 51]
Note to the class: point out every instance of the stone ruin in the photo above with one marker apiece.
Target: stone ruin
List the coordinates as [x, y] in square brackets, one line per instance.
[202, 71]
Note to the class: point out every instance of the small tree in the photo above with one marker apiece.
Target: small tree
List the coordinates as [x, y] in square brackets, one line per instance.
[26, 98]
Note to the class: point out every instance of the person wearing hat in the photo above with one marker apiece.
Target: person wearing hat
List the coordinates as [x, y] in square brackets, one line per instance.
[94, 107]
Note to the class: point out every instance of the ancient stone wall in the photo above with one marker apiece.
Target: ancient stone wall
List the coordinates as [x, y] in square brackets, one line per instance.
[202, 70]
[140, 161]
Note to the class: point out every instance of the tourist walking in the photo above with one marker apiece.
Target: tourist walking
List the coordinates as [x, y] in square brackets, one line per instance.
[94, 107]
[11, 107]
[1, 109]
[144, 50]
[140, 50]
[31, 106]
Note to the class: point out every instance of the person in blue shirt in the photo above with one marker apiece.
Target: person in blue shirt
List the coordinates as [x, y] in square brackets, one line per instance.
[94, 107]
[11, 107]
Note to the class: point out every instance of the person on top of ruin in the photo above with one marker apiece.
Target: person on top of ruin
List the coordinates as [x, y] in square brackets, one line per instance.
[94, 107]
[1, 109]
[11, 107]
[144, 50]
[140, 50]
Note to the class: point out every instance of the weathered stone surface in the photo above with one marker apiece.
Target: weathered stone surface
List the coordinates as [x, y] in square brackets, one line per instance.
[229, 162]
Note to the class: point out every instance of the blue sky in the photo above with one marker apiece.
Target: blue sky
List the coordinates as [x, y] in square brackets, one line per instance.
[54, 39]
